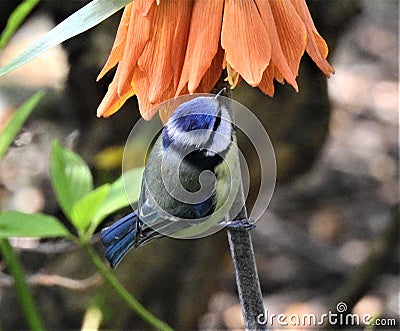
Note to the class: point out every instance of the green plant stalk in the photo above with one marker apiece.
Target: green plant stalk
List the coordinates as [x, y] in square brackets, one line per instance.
[21, 288]
[125, 295]
[16, 19]
[21, 115]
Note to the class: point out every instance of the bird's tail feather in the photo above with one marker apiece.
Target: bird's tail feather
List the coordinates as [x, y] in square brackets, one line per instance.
[119, 238]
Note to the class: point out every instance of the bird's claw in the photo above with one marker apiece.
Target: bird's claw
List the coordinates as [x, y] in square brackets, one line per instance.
[240, 224]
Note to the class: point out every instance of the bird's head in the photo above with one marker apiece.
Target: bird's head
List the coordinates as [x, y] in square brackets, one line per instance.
[203, 123]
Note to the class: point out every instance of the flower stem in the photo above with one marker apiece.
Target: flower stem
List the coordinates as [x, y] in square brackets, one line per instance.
[21, 288]
[247, 281]
[244, 263]
[125, 295]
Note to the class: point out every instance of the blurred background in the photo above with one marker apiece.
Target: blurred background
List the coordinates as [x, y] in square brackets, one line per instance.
[330, 233]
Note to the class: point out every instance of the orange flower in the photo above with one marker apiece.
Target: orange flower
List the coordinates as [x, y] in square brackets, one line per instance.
[167, 48]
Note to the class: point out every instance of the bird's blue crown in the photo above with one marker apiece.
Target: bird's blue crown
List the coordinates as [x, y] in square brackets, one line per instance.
[197, 114]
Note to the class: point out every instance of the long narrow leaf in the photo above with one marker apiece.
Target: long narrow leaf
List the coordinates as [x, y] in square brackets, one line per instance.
[16, 19]
[82, 20]
[24, 294]
[8, 134]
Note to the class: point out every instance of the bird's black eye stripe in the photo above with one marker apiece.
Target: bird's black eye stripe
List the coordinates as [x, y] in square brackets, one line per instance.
[217, 123]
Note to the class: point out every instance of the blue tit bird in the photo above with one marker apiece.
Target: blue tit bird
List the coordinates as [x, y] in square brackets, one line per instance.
[190, 181]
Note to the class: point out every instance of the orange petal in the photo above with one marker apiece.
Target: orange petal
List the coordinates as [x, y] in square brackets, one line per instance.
[112, 101]
[278, 76]
[138, 35]
[316, 45]
[163, 55]
[203, 41]
[143, 6]
[245, 40]
[212, 75]
[267, 82]
[277, 55]
[142, 87]
[119, 42]
[180, 39]
[291, 31]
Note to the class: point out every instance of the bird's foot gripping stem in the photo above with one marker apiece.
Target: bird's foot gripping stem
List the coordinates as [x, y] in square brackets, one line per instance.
[240, 224]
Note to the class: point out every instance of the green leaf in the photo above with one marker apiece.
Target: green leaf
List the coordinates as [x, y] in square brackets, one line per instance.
[8, 134]
[85, 18]
[70, 176]
[17, 224]
[116, 198]
[16, 19]
[84, 210]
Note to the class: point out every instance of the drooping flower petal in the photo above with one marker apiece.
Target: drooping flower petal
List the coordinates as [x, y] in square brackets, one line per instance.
[180, 39]
[245, 40]
[267, 81]
[316, 45]
[277, 55]
[143, 6]
[138, 35]
[212, 75]
[203, 42]
[119, 42]
[142, 87]
[162, 56]
[291, 31]
[113, 101]
[278, 76]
